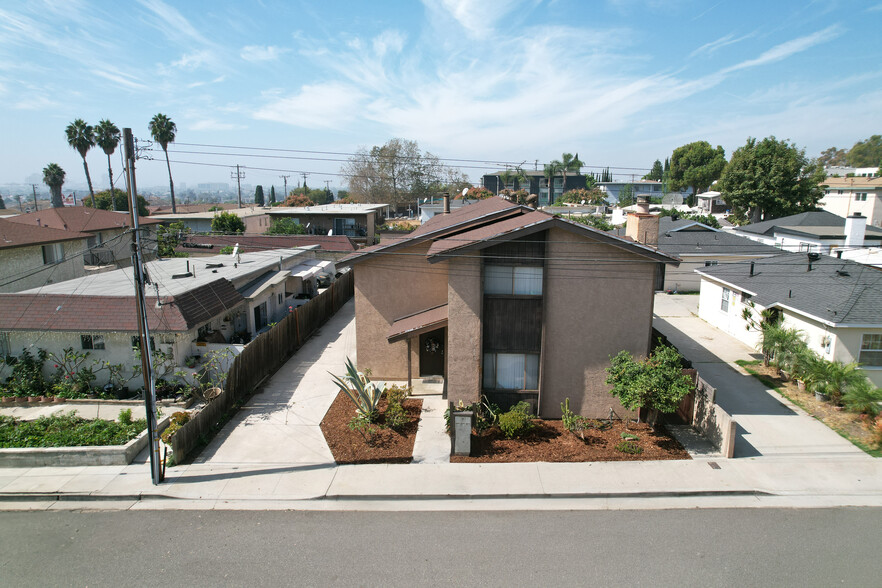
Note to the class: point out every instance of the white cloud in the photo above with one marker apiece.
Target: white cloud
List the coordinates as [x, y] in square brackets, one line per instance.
[172, 23]
[475, 16]
[211, 124]
[717, 44]
[35, 102]
[192, 61]
[119, 78]
[318, 106]
[792, 47]
[261, 53]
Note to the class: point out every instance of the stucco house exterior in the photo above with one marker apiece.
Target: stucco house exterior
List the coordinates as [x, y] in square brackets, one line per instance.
[255, 219]
[846, 196]
[837, 304]
[357, 221]
[506, 301]
[33, 256]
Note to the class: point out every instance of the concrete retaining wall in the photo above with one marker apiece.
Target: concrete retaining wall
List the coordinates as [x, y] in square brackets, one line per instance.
[712, 421]
[76, 456]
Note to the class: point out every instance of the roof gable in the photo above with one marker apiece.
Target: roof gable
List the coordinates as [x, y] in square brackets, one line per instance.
[79, 219]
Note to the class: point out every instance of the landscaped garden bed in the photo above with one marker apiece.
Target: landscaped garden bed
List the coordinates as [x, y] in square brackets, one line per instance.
[384, 445]
[68, 430]
[853, 426]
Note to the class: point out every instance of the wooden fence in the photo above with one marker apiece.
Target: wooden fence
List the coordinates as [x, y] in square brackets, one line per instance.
[261, 358]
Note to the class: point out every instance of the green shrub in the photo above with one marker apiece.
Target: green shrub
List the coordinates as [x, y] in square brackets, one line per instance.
[180, 417]
[629, 436]
[359, 388]
[175, 422]
[228, 250]
[27, 378]
[517, 421]
[66, 430]
[656, 383]
[395, 415]
[576, 423]
[365, 427]
[125, 416]
[863, 397]
[629, 447]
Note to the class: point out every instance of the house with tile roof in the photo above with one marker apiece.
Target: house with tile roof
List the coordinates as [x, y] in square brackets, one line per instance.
[33, 256]
[108, 238]
[505, 301]
[836, 303]
[193, 306]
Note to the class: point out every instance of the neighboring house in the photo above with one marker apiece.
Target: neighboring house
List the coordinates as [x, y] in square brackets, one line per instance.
[109, 241]
[711, 202]
[649, 188]
[536, 183]
[843, 171]
[358, 221]
[847, 196]
[158, 210]
[699, 246]
[436, 206]
[866, 255]
[817, 231]
[509, 302]
[193, 305]
[33, 256]
[331, 247]
[255, 219]
[836, 304]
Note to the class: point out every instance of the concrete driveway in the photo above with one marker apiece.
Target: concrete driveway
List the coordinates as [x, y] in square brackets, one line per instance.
[768, 424]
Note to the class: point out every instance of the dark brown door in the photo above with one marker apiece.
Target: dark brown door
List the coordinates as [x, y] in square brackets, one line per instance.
[432, 353]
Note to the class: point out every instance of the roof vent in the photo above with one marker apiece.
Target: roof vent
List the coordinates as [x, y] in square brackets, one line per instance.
[211, 265]
[184, 275]
[843, 272]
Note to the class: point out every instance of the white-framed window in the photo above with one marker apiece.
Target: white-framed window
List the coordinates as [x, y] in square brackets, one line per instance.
[511, 371]
[53, 253]
[724, 304]
[92, 341]
[513, 279]
[871, 349]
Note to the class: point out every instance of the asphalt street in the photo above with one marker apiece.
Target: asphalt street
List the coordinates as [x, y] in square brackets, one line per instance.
[724, 547]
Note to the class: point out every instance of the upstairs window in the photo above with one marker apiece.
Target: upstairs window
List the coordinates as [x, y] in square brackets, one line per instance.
[508, 279]
[871, 349]
[724, 304]
[861, 197]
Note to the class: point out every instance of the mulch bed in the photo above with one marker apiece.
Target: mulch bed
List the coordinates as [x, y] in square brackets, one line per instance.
[550, 442]
[834, 417]
[388, 446]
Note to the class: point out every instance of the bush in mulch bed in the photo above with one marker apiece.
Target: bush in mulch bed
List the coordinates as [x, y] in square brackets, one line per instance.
[550, 441]
[387, 445]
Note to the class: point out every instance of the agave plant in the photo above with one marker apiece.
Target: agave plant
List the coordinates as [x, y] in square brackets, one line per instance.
[363, 393]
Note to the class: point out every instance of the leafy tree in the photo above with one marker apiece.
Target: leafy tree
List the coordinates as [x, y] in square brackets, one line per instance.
[120, 201]
[476, 193]
[168, 238]
[550, 170]
[579, 195]
[258, 195]
[867, 153]
[81, 137]
[569, 163]
[667, 165]
[697, 165]
[341, 194]
[597, 222]
[272, 197]
[107, 136]
[227, 223]
[656, 172]
[605, 176]
[163, 131]
[590, 181]
[285, 226]
[771, 179]
[705, 219]
[53, 176]
[298, 200]
[656, 383]
[833, 156]
[627, 197]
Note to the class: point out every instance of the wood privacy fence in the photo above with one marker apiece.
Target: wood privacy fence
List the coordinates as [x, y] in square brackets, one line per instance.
[261, 358]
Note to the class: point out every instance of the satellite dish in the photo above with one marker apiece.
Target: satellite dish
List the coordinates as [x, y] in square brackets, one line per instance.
[330, 232]
[465, 191]
[235, 250]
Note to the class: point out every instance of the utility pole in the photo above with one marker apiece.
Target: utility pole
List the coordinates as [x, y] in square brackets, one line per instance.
[239, 175]
[328, 191]
[304, 174]
[36, 206]
[20, 207]
[143, 327]
[285, 179]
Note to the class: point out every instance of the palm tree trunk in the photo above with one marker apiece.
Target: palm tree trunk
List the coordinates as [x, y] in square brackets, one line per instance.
[88, 178]
[110, 177]
[171, 184]
[57, 201]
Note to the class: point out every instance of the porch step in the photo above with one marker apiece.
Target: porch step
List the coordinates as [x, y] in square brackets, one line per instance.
[428, 387]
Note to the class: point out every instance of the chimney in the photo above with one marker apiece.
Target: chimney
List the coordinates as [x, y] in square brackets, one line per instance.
[643, 228]
[446, 203]
[643, 203]
[855, 230]
[751, 269]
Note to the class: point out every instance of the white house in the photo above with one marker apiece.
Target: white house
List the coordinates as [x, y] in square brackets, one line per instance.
[850, 195]
[817, 231]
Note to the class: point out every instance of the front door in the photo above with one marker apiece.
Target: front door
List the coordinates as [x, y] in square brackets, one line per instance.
[432, 353]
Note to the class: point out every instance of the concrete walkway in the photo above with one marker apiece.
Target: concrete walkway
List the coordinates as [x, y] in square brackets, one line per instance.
[769, 425]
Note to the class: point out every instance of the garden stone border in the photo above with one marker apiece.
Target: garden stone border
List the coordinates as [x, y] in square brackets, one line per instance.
[96, 455]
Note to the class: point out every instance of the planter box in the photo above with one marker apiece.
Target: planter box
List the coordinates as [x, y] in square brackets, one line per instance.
[77, 456]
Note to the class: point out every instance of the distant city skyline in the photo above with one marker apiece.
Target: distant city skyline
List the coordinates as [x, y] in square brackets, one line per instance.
[476, 82]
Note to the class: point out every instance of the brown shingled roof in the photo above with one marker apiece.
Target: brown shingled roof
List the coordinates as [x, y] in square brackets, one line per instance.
[19, 235]
[60, 312]
[420, 322]
[79, 219]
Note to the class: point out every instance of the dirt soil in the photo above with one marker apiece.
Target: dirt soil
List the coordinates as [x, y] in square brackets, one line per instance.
[388, 445]
[549, 441]
[834, 417]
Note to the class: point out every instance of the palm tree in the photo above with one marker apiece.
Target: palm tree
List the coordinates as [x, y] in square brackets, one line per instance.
[550, 170]
[505, 177]
[834, 378]
[163, 130]
[53, 176]
[107, 137]
[81, 136]
[569, 163]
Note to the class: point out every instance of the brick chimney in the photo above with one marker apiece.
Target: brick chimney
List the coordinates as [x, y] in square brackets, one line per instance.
[643, 203]
[643, 228]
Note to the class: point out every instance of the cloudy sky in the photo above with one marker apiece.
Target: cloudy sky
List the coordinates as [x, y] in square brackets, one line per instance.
[477, 82]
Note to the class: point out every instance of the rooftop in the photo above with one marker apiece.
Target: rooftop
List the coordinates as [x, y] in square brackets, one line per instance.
[208, 215]
[854, 182]
[359, 208]
[20, 235]
[820, 224]
[80, 219]
[688, 237]
[835, 291]
[250, 243]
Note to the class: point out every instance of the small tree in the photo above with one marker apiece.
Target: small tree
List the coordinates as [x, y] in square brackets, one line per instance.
[227, 223]
[656, 383]
[258, 195]
[285, 226]
[626, 196]
[168, 237]
[272, 198]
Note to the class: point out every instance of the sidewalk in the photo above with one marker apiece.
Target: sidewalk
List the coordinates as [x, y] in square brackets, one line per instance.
[273, 456]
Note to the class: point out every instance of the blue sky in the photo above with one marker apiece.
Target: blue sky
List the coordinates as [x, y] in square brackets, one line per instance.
[621, 82]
